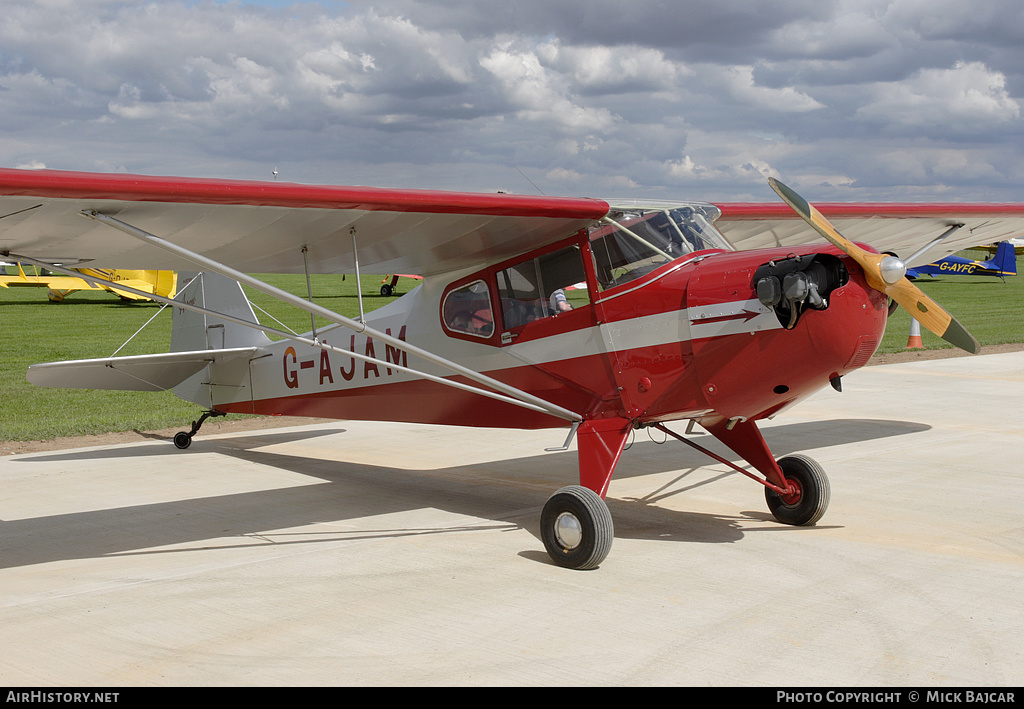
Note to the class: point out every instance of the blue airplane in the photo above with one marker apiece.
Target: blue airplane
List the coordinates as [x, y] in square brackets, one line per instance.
[1003, 264]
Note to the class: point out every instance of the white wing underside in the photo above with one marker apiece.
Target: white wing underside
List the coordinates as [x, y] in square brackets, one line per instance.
[903, 236]
[257, 227]
[264, 227]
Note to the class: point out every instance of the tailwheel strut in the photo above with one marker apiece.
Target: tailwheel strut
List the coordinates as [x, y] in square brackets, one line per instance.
[805, 496]
[183, 439]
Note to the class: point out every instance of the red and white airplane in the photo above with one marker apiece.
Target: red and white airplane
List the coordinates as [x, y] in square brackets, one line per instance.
[534, 312]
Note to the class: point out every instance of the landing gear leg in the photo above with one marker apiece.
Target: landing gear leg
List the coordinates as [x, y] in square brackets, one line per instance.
[183, 440]
[575, 524]
[796, 488]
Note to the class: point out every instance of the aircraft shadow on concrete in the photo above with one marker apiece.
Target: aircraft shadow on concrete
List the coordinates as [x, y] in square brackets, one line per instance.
[509, 493]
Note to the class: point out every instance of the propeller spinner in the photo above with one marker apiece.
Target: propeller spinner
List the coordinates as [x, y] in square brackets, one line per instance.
[884, 273]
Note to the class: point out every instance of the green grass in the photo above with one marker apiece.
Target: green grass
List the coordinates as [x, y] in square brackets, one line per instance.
[92, 324]
[991, 309]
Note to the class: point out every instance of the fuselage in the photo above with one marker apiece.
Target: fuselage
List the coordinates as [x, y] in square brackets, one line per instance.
[681, 338]
[1002, 264]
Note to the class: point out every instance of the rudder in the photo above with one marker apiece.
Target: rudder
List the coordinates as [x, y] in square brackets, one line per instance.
[1005, 260]
[192, 331]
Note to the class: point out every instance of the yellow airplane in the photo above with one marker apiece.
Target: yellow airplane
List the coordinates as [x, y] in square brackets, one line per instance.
[163, 283]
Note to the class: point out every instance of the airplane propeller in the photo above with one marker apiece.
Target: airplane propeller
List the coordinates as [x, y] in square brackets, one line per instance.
[884, 273]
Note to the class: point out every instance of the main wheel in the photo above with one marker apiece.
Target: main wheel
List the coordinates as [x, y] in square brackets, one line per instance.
[386, 290]
[809, 502]
[182, 440]
[577, 528]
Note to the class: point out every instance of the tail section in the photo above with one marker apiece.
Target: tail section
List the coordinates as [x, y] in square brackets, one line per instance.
[193, 331]
[164, 283]
[209, 356]
[1004, 263]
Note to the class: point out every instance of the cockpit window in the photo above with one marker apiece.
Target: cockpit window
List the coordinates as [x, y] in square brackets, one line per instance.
[468, 310]
[632, 241]
[541, 287]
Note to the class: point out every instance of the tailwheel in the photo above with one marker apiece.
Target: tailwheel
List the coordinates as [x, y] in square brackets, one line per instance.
[576, 528]
[809, 500]
[183, 439]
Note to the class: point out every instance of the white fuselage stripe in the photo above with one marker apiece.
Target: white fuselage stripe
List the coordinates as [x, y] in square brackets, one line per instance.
[649, 331]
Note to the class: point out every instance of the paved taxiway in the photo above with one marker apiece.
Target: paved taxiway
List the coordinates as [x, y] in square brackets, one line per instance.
[382, 554]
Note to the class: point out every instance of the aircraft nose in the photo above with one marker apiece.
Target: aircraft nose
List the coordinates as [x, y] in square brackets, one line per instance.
[828, 323]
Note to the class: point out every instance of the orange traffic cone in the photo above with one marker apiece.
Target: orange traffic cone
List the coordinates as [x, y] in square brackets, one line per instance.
[914, 341]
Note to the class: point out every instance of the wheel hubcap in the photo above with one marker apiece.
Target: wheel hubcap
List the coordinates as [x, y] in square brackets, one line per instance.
[794, 497]
[568, 530]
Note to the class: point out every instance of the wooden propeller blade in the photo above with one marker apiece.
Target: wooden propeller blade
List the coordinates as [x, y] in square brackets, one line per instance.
[930, 314]
[920, 306]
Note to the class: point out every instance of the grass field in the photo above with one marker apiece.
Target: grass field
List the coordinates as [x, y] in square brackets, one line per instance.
[992, 309]
[95, 324]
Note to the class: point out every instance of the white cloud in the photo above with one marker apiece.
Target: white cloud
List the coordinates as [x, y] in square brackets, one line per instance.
[540, 94]
[738, 82]
[843, 94]
[602, 69]
[967, 95]
[686, 170]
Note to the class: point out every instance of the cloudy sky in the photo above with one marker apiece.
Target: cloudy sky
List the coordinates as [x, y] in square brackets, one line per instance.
[842, 99]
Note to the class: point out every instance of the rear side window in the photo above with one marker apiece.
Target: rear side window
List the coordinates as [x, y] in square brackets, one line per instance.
[467, 310]
[542, 287]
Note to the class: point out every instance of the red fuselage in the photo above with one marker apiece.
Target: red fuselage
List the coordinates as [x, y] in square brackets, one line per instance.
[688, 340]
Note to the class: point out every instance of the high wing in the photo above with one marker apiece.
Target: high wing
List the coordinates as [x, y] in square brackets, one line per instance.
[270, 227]
[900, 228]
[264, 227]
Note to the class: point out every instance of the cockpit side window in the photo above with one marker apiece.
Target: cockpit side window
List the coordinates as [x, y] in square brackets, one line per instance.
[542, 287]
[467, 310]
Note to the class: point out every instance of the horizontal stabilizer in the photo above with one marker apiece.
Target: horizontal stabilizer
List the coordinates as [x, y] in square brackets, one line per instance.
[154, 372]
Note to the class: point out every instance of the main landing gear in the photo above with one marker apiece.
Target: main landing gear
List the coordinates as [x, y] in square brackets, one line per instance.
[577, 528]
[795, 487]
[183, 440]
[810, 492]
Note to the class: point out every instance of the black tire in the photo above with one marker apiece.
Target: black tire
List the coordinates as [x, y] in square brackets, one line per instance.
[577, 528]
[385, 290]
[811, 500]
[182, 440]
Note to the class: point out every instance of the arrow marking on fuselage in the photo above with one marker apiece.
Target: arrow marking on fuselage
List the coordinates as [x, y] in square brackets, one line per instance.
[745, 314]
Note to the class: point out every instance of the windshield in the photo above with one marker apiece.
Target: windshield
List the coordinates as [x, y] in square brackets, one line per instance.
[634, 240]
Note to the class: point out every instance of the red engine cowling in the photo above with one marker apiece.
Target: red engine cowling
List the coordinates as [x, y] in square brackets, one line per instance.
[816, 319]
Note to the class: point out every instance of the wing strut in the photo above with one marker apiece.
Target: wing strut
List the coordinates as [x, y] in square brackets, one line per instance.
[359, 285]
[543, 406]
[512, 394]
[933, 243]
